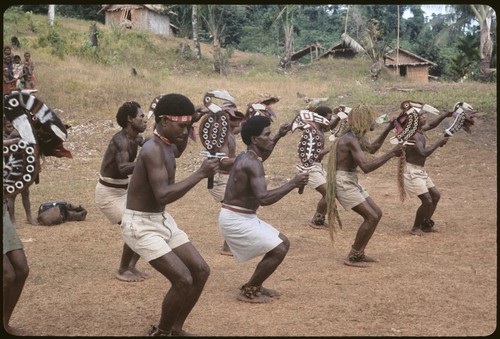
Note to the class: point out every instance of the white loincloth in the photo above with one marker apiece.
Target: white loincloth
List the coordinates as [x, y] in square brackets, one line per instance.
[247, 236]
[111, 201]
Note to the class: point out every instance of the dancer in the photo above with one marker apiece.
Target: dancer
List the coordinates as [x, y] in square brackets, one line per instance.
[347, 153]
[416, 180]
[312, 148]
[116, 166]
[247, 235]
[149, 230]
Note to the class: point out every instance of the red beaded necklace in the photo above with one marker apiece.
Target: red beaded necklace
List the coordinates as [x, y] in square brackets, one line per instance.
[162, 138]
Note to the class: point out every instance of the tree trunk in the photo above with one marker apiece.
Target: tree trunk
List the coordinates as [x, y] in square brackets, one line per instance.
[220, 58]
[486, 49]
[52, 14]
[484, 14]
[194, 22]
[286, 61]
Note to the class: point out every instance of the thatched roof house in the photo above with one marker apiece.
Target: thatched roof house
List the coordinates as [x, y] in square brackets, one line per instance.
[408, 65]
[149, 18]
[307, 50]
[347, 48]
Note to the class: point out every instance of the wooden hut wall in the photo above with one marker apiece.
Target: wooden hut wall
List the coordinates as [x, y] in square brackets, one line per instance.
[142, 19]
[139, 19]
[112, 17]
[154, 22]
[418, 73]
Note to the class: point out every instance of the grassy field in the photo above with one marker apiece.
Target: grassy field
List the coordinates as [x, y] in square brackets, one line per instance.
[441, 285]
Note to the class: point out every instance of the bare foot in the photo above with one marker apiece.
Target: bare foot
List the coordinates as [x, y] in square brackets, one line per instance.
[367, 258]
[416, 231]
[359, 262]
[129, 276]
[261, 299]
[254, 294]
[355, 263]
[358, 259]
[318, 227]
[155, 331]
[138, 273]
[226, 250]
[432, 229]
[181, 333]
[32, 222]
[270, 292]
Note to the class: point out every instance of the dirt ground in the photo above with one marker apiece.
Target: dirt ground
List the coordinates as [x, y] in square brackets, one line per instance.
[440, 284]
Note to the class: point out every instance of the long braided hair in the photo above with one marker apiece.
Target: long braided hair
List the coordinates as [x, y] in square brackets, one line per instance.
[332, 212]
[360, 121]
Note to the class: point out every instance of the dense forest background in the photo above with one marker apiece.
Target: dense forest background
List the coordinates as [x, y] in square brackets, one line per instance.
[451, 40]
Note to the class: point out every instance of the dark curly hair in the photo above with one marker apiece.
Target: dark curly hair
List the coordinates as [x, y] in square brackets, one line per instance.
[128, 109]
[173, 104]
[253, 126]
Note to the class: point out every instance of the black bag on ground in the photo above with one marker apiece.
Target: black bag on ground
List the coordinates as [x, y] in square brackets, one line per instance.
[75, 213]
[55, 213]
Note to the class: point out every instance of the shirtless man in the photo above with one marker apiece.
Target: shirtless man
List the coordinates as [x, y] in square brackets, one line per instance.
[152, 232]
[346, 155]
[228, 148]
[248, 236]
[416, 180]
[117, 164]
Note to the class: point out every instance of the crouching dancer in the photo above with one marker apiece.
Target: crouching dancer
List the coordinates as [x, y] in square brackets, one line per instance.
[346, 155]
[246, 234]
[149, 230]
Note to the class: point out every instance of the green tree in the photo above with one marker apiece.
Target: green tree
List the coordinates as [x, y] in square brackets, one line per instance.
[465, 59]
[260, 33]
[411, 27]
[314, 24]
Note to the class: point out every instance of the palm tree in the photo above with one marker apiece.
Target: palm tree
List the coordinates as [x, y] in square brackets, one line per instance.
[288, 29]
[484, 14]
